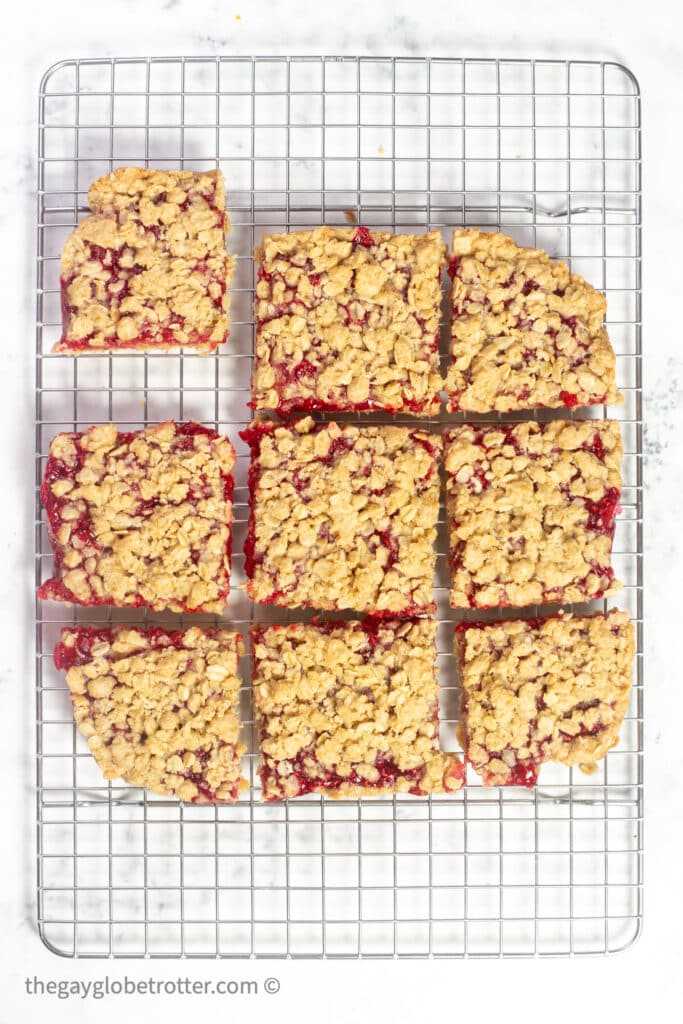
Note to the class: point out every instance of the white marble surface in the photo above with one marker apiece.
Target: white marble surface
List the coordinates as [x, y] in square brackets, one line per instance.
[646, 38]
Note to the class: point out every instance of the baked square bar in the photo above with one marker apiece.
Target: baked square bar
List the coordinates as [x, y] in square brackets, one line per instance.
[531, 511]
[159, 709]
[535, 690]
[348, 320]
[342, 516]
[140, 518]
[148, 269]
[350, 709]
[525, 332]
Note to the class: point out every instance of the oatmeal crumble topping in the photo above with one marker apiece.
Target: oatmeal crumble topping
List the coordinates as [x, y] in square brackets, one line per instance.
[148, 268]
[531, 511]
[525, 332]
[348, 319]
[140, 518]
[159, 709]
[342, 517]
[554, 689]
[350, 709]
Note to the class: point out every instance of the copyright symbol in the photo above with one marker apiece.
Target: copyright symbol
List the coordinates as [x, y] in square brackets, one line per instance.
[271, 985]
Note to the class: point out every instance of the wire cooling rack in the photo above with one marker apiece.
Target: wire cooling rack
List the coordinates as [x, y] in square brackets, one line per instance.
[547, 151]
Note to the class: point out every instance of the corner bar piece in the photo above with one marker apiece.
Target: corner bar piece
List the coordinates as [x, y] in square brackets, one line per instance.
[159, 709]
[148, 268]
[525, 333]
[536, 690]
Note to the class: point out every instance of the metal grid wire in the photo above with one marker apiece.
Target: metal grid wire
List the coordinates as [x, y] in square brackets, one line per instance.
[547, 151]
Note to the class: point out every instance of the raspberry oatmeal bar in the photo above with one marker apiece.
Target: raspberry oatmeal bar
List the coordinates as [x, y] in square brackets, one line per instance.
[159, 709]
[148, 269]
[140, 518]
[525, 333]
[348, 320]
[350, 709]
[342, 517]
[535, 690]
[531, 511]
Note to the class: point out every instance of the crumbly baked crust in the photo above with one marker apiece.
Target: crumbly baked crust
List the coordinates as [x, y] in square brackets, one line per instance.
[525, 332]
[342, 517]
[531, 510]
[553, 689]
[350, 710]
[348, 320]
[148, 268]
[159, 709]
[140, 518]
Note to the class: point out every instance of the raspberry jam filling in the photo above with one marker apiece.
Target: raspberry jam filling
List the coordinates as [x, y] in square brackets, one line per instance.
[601, 514]
[312, 777]
[287, 406]
[597, 447]
[524, 773]
[363, 237]
[66, 656]
[391, 544]
[595, 730]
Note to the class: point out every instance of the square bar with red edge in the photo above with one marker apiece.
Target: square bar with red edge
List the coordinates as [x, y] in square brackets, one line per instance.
[531, 511]
[140, 518]
[159, 708]
[348, 320]
[525, 333]
[350, 709]
[546, 689]
[148, 269]
[342, 516]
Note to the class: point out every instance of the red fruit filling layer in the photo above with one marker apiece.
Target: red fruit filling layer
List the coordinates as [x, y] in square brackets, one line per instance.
[312, 777]
[80, 653]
